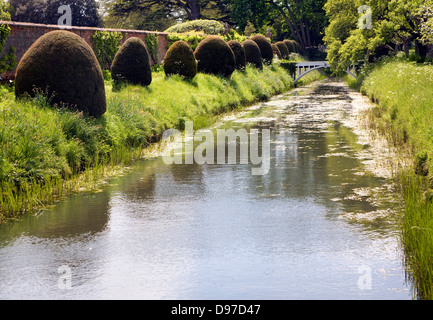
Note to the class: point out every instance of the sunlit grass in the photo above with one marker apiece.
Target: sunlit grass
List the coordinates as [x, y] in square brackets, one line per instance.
[403, 92]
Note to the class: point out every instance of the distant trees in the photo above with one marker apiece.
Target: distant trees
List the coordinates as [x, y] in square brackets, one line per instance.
[393, 23]
[157, 13]
[84, 12]
[304, 20]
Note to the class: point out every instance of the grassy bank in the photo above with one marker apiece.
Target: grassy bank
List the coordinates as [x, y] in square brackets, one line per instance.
[403, 92]
[46, 153]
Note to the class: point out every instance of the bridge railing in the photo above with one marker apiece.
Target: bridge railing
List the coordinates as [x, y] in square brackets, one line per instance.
[302, 68]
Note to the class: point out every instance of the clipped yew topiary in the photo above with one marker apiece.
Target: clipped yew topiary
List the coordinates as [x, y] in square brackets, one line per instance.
[290, 46]
[283, 49]
[265, 48]
[214, 56]
[276, 51]
[63, 67]
[180, 60]
[239, 53]
[252, 53]
[131, 63]
[298, 47]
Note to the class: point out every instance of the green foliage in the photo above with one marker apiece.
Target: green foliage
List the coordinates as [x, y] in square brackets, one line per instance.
[131, 64]
[105, 45]
[290, 46]
[64, 68]
[207, 27]
[265, 47]
[252, 53]
[128, 15]
[214, 56]
[425, 13]
[233, 35]
[290, 66]
[85, 12]
[301, 20]
[403, 91]
[152, 45]
[5, 11]
[382, 50]
[194, 38]
[7, 61]
[239, 53]
[180, 60]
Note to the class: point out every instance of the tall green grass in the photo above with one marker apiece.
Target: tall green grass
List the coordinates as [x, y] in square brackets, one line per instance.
[403, 92]
[46, 152]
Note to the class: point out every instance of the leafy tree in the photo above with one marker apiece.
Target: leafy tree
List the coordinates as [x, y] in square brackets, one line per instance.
[394, 22]
[84, 12]
[7, 61]
[105, 45]
[426, 16]
[129, 16]
[28, 10]
[402, 23]
[5, 11]
[299, 17]
[177, 9]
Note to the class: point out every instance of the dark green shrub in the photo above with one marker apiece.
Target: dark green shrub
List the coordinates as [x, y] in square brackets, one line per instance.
[193, 40]
[290, 46]
[283, 49]
[214, 56]
[180, 60]
[131, 64]
[276, 51]
[239, 53]
[265, 48]
[252, 53]
[61, 65]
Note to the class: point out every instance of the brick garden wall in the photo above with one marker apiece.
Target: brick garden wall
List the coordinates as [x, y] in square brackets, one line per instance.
[23, 35]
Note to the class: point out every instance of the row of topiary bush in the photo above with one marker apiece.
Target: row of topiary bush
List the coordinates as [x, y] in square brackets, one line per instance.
[215, 56]
[66, 70]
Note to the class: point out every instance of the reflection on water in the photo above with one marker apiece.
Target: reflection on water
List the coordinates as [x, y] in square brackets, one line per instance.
[307, 229]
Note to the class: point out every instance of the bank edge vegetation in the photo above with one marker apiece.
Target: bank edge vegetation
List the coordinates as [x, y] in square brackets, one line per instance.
[401, 90]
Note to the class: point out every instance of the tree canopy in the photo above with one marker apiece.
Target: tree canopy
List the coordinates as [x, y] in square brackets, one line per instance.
[84, 12]
[396, 23]
[303, 21]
